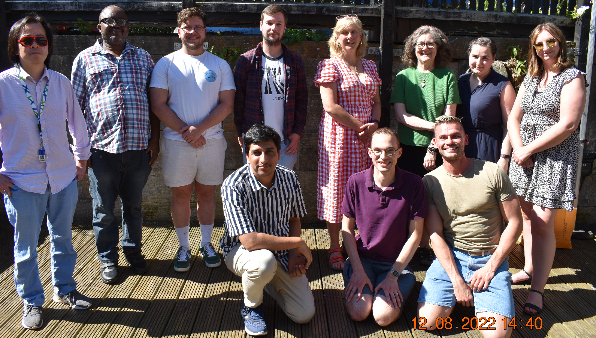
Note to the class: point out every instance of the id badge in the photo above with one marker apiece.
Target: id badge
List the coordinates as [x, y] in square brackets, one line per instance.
[42, 155]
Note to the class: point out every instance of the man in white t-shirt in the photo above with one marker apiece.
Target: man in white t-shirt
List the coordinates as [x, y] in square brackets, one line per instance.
[192, 92]
[271, 87]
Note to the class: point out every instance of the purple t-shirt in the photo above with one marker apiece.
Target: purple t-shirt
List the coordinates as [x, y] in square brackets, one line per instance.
[383, 217]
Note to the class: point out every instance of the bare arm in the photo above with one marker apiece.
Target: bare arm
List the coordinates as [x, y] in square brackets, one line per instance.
[573, 100]
[411, 121]
[159, 106]
[510, 210]
[296, 263]
[507, 99]
[450, 109]
[370, 127]
[330, 105]
[359, 278]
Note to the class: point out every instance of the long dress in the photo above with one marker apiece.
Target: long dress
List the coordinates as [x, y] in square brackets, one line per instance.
[481, 115]
[341, 153]
[550, 183]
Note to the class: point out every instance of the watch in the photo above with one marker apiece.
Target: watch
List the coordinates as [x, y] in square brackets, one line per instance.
[505, 156]
[394, 272]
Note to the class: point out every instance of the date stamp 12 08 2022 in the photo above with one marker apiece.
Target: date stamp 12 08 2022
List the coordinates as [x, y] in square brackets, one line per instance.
[480, 323]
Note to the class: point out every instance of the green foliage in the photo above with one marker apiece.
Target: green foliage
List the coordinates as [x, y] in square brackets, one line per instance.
[84, 27]
[230, 54]
[142, 30]
[515, 54]
[576, 13]
[292, 36]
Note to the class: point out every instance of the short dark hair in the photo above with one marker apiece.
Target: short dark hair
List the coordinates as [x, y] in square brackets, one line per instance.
[483, 42]
[15, 33]
[387, 131]
[188, 13]
[443, 48]
[261, 133]
[274, 9]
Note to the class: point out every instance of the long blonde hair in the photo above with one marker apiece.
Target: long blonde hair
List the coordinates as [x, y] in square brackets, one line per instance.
[343, 23]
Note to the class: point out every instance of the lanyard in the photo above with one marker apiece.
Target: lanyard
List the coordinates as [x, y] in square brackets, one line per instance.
[37, 112]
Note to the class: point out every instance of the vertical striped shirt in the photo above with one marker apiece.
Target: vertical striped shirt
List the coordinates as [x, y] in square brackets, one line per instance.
[112, 92]
[249, 206]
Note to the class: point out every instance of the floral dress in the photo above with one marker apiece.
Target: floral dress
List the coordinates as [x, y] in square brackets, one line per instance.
[550, 183]
[341, 153]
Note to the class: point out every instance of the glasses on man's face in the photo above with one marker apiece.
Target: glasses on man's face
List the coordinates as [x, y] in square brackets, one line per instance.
[550, 43]
[189, 29]
[27, 41]
[113, 22]
[422, 44]
[388, 152]
[339, 17]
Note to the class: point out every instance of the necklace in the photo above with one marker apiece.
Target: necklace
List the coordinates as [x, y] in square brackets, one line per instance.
[353, 68]
[423, 80]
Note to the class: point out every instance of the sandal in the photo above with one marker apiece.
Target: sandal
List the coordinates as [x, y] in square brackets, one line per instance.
[533, 306]
[525, 281]
[335, 259]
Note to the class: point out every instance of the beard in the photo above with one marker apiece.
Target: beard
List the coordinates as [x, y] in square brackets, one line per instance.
[113, 40]
[271, 41]
[192, 45]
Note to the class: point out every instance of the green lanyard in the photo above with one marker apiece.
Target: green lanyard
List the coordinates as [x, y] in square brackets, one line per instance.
[37, 112]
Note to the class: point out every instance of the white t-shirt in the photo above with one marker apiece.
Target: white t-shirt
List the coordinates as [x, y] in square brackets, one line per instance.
[273, 93]
[193, 84]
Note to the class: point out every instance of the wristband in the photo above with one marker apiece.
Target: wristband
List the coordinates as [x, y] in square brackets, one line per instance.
[394, 272]
[505, 156]
[375, 121]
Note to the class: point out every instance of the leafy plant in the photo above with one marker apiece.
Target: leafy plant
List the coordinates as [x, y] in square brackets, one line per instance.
[230, 54]
[84, 27]
[516, 66]
[576, 13]
[292, 36]
[142, 30]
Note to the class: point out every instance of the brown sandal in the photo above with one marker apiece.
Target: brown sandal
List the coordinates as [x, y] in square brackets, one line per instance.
[335, 259]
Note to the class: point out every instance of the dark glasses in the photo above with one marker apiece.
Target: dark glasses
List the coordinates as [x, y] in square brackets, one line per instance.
[339, 17]
[27, 41]
[550, 42]
[113, 22]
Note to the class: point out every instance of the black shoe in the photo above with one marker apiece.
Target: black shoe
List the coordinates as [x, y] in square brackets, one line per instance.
[427, 256]
[109, 272]
[136, 261]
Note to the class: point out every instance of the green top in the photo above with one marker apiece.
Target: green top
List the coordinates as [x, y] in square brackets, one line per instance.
[428, 102]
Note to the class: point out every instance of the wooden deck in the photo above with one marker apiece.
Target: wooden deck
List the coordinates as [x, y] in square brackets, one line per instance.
[206, 302]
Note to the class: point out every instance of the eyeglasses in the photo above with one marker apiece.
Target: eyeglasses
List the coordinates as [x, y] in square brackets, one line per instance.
[113, 22]
[189, 29]
[550, 43]
[27, 41]
[388, 152]
[429, 45]
[339, 17]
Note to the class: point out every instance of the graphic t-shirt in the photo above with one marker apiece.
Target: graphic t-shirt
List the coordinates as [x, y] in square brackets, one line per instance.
[273, 92]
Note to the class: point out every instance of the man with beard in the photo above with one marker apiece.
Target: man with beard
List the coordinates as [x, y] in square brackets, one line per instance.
[473, 220]
[271, 87]
[192, 91]
[110, 80]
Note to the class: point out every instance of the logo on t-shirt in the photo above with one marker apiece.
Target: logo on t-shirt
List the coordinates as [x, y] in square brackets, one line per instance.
[210, 76]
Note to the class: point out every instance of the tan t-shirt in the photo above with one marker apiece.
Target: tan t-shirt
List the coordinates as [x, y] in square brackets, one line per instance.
[469, 204]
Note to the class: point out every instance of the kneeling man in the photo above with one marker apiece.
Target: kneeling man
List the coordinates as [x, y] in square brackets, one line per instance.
[388, 205]
[262, 205]
[473, 220]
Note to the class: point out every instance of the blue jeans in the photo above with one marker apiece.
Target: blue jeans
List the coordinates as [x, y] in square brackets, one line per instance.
[285, 160]
[25, 212]
[123, 174]
[437, 288]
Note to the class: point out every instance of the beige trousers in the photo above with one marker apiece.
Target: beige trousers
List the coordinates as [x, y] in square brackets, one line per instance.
[261, 271]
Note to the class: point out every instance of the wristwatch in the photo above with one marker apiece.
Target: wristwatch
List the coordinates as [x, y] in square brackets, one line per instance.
[394, 272]
[505, 156]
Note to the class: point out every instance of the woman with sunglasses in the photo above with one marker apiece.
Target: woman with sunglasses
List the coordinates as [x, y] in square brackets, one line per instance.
[349, 88]
[421, 93]
[487, 98]
[39, 173]
[545, 139]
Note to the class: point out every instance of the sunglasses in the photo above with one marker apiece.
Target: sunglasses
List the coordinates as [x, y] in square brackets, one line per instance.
[339, 17]
[113, 22]
[27, 41]
[550, 42]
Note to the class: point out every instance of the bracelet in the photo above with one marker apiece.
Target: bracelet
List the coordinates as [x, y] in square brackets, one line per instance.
[375, 121]
[505, 156]
[431, 149]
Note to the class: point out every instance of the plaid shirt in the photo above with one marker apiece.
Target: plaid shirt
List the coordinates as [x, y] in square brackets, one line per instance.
[113, 96]
[248, 75]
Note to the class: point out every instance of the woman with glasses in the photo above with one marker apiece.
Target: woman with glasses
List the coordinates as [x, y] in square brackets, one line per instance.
[487, 98]
[349, 88]
[421, 93]
[543, 128]
[39, 173]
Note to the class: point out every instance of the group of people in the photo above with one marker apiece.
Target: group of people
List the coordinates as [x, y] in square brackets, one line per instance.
[462, 202]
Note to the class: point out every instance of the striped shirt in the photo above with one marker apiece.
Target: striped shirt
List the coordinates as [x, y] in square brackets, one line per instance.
[249, 206]
[112, 93]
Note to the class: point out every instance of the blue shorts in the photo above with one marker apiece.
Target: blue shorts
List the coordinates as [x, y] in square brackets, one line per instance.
[376, 272]
[437, 288]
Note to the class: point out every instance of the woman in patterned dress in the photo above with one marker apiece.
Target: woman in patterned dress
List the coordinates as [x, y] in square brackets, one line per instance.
[349, 88]
[545, 139]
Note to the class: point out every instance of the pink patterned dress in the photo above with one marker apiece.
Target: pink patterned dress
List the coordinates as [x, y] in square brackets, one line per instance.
[341, 153]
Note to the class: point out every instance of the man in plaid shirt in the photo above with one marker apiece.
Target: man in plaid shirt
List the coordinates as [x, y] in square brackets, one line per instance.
[110, 80]
[271, 87]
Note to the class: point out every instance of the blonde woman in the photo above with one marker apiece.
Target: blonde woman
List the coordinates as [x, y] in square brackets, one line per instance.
[349, 88]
